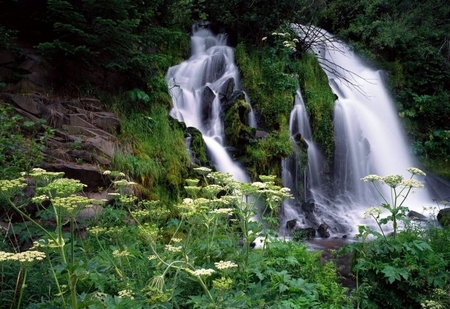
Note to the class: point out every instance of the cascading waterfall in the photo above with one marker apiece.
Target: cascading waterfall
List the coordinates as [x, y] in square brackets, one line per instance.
[196, 86]
[312, 204]
[368, 134]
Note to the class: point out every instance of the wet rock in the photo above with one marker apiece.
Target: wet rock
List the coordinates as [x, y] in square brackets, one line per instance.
[303, 233]
[414, 215]
[208, 97]
[291, 224]
[83, 132]
[322, 230]
[443, 217]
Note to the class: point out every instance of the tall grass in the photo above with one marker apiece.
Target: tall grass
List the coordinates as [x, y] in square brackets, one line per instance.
[158, 158]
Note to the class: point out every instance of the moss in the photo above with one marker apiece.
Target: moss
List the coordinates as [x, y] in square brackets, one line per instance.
[264, 155]
[319, 101]
[269, 82]
[158, 159]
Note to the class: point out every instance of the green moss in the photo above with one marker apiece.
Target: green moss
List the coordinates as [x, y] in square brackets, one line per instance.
[319, 101]
[158, 158]
[264, 155]
[269, 82]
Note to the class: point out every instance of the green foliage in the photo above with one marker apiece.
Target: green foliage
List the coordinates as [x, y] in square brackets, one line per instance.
[253, 21]
[159, 159]
[19, 153]
[132, 258]
[319, 102]
[263, 155]
[406, 269]
[263, 72]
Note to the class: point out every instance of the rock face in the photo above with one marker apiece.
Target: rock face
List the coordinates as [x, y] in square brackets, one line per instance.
[83, 140]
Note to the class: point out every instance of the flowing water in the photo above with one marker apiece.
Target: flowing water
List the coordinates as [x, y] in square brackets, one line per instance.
[368, 138]
[368, 134]
[196, 86]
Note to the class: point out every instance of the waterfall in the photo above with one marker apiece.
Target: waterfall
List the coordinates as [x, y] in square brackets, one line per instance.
[312, 204]
[368, 135]
[197, 86]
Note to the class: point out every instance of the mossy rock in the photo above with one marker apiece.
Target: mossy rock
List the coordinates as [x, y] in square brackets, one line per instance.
[443, 217]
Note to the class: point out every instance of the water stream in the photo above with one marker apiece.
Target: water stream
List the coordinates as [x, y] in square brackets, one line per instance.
[196, 86]
[368, 138]
[368, 134]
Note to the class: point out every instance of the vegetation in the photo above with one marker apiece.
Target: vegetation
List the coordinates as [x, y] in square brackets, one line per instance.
[185, 242]
[137, 254]
[158, 159]
[21, 142]
[406, 268]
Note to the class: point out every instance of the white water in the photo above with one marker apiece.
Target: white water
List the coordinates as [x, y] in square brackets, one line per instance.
[195, 86]
[368, 136]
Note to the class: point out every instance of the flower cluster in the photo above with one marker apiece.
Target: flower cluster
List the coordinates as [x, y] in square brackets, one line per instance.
[222, 211]
[393, 180]
[114, 174]
[201, 272]
[42, 177]
[126, 293]
[22, 257]
[416, 171]
[192, 182]
[40, 199]
[225, 265]
[71, 205]
[191, 207]
[119, 253]
[45, 244]
[10, 187]
[372, 178]
[174, 248]
[431, 304]
[62, 187]
[411, 183]
[374, 212]
[211, 191]
[396, 180]
[203, 170]
[123, 183]
[222, 283]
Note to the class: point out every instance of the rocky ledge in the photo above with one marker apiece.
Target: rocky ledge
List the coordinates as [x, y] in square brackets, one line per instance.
[84, 134]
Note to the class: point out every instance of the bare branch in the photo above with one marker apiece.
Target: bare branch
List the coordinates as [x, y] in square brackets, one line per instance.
[324, 46]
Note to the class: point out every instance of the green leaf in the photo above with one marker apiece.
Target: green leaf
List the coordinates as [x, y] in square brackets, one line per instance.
[393, 273]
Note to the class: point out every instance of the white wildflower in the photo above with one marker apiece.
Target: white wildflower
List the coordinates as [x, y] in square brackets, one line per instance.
[411, 183]
[173, 248]
[201, 272]
[373, 212]
[393, 180]
[225, 265]
[416, 171]
[372, 178]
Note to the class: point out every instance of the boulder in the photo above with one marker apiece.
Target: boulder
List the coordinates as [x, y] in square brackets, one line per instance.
[291, 224]
[87, 174]
[414, 215]
[303, 233]
[83, 131]
[322, 230]
[443, 217]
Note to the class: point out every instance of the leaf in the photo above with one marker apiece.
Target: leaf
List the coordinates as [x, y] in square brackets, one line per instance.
[393, 273]
[282, 287]
[291, 260]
